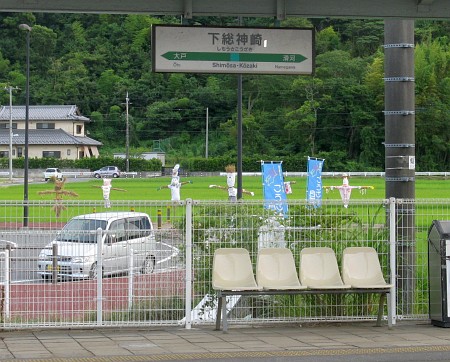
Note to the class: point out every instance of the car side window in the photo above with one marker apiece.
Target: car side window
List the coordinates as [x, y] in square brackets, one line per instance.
[117, 230]
[144, 225]
[132, 229]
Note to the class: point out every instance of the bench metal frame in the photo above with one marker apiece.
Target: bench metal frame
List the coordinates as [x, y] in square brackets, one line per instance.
[222, 305]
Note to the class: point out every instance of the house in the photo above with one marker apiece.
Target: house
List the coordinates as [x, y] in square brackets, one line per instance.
[53, 131]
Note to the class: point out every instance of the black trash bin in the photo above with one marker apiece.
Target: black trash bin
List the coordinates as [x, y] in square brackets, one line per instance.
[439, 272]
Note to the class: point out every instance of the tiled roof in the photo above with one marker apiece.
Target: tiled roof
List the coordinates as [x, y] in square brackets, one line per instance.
[43, 113]
[45, 137]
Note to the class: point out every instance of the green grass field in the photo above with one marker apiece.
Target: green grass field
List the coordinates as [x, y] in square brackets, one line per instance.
[147, 189]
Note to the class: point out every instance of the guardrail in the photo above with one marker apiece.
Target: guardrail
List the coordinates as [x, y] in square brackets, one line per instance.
[352, 174]
[86, 174]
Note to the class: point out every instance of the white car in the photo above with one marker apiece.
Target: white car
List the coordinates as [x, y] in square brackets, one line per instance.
[127, 240]
[53, 172]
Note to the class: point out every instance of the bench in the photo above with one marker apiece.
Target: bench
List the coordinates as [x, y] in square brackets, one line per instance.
[276, 274]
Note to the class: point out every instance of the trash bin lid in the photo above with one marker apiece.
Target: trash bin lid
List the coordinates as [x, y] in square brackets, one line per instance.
[443, 228]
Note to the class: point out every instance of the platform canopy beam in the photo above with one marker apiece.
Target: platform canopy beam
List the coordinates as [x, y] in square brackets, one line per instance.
[279, 9]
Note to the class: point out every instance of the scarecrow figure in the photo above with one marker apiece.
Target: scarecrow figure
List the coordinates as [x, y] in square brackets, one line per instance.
[106, 188]
[287, 186]
[175, 184]
[346, 190]
[59, 193]
[231, 180]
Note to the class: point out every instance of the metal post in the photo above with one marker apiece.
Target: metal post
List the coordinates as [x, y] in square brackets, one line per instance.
[26, 28]
[207, 126]
[239, 133]
[400, 148]
[392, 299]
[10, 134]
[99, 236]
[159, 218]
[239, 139]
[130, 279]
[188, 275]
[127, 139]
[7, 284]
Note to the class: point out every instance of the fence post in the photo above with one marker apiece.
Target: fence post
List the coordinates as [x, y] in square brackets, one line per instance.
[188, 259]
[392, 262]
[6, 286]
[99, 276]
[130, 279]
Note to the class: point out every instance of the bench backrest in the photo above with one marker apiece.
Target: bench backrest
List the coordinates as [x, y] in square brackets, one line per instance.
[232, 270]
[361, 268]
[319, 269]
[275, 269]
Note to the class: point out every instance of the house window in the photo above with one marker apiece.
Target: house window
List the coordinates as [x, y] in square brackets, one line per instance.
[6, 125]
[68, 152]
[79, 129]
[51, 154]
[19, 152]
[45, 126]
[4, 154]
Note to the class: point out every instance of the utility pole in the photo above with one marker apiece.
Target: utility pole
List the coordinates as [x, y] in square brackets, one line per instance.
[10, 90]
[207, 122]
[127, 161]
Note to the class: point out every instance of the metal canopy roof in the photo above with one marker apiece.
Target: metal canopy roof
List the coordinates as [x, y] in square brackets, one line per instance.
[404, 9]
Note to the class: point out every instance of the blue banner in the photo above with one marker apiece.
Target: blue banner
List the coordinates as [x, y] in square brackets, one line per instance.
[314, 182]
[273, 187]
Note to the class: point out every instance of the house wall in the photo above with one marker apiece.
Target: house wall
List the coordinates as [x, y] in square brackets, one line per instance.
[74, 128]
[68, 152]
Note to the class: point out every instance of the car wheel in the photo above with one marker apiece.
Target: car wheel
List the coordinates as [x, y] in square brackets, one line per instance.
[45, 179]
[148, 266]
[97, 175]
[93, 271]
[115, 175]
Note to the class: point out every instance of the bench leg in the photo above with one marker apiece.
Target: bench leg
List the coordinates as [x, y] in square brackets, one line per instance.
[219, 312]
[381, 308]
[224, 315]
[390, 311]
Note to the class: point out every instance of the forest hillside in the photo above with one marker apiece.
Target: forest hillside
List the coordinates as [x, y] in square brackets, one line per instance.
[93, 61]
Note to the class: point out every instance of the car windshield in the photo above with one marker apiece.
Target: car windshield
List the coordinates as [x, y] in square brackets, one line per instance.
[81, 231]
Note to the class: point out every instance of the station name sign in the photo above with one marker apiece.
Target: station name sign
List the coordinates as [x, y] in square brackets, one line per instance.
[193, 49]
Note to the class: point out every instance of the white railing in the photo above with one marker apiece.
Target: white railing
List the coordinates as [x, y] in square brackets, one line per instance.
[352, 174]
[179, 290]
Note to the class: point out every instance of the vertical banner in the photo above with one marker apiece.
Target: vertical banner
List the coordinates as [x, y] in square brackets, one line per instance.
[273, 187]
[314, 182]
